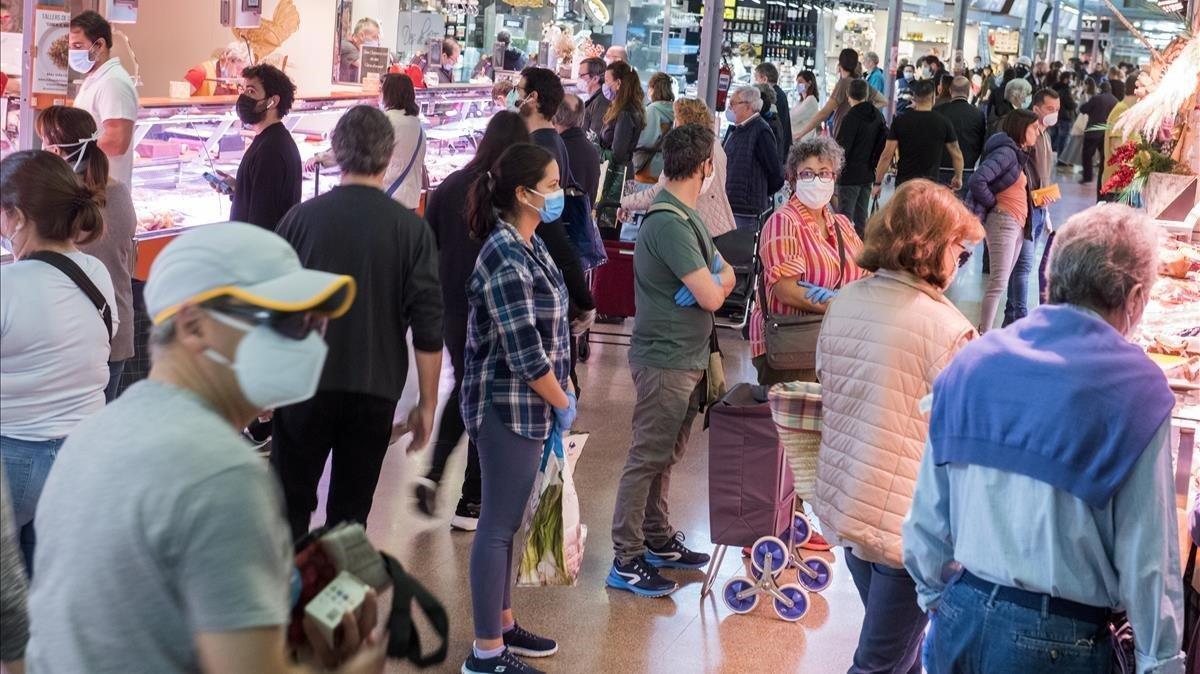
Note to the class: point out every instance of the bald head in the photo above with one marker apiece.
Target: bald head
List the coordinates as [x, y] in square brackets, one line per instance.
[570, 113]
[960, 87]
[616, 53]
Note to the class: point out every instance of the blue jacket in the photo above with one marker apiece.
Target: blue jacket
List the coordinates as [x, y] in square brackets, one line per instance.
[1003, 162]
[755, 171]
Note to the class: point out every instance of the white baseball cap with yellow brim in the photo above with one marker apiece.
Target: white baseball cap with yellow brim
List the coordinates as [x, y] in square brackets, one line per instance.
[245, 263]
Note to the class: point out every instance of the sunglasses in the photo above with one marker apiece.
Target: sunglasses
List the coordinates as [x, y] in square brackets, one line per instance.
[291, 324]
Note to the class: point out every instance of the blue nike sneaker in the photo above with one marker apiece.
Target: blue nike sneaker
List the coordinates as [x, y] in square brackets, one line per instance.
[639, 578]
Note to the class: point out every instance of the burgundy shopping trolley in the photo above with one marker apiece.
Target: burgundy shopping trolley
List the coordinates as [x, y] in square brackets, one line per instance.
[750, 491]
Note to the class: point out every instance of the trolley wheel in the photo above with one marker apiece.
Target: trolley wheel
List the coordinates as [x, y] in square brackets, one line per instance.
[772, 548]
[824, 574]
[801, 529]
[799, 603]
[585, 348]
[734, 587]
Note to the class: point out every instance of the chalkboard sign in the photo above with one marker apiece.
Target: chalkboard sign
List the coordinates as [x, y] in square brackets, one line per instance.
[373, 60]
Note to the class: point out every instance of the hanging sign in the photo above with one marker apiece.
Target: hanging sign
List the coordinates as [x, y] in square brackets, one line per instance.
[50, 25]
[373, 60]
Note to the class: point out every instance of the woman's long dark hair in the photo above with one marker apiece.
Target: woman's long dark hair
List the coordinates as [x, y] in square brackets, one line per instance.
[505, 130]
[629, 94]
[810, 85]
[495, 191]
[49, 194]
[63, 125]
[399, 94]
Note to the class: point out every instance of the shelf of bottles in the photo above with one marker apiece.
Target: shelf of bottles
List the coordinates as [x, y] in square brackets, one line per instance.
[791, 32]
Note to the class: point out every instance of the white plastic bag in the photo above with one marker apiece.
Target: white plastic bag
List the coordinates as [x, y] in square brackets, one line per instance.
[554, 534]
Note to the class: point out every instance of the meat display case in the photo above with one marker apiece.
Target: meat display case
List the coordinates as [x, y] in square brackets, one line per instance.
[178, 140]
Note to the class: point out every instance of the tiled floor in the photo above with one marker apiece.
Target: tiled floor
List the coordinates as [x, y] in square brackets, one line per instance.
[601, 630]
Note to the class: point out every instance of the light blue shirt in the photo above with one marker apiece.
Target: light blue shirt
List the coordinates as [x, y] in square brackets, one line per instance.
[1013, 530]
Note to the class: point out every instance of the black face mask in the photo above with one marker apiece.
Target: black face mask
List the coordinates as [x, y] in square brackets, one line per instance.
[247, 110]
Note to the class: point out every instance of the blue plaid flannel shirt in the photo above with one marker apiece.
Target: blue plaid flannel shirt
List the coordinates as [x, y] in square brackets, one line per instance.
[517, 331]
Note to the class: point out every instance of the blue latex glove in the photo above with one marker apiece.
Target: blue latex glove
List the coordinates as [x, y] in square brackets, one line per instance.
[817, 294]
[563, 418]
[684, 296]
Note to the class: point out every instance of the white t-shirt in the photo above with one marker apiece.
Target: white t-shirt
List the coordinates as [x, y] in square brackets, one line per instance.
[53, 350]
[108, 93]
[408, 133]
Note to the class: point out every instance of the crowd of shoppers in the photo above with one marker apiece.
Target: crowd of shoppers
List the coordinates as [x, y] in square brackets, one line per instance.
[244, 325]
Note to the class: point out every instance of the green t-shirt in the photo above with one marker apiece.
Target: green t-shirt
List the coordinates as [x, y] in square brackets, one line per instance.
[666, 335]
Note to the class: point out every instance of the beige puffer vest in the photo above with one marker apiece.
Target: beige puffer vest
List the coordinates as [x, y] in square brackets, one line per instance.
[883, 341]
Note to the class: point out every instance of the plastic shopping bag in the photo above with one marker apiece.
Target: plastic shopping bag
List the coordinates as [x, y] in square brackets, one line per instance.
[554, 535]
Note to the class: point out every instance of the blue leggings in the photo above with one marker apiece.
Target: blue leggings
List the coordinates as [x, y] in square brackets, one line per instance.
[509, 464]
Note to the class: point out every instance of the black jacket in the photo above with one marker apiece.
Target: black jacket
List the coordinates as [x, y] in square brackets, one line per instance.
[621, 135]
[594, 111]
[971, 127]
[862, 135]
[785, 122]
[585, 161]
[554, 234]
[755, 171]
[446, 211]
[1098, 109]
[389, 250]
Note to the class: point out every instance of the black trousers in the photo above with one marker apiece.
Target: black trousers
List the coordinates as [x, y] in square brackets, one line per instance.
[356, 427]
[1092, 145]
[451, 428]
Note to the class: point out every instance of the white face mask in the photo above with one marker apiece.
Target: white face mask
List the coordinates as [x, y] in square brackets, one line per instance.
[708, 181]
[76, 155]
[1050, 120]
[81, 60]
[815, 194]
[273, 370]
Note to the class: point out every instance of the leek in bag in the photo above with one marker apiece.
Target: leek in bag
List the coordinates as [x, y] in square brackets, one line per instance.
[554, 535]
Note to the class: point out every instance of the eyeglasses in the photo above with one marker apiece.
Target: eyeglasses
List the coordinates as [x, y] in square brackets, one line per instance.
[291, 324]
[808, 176]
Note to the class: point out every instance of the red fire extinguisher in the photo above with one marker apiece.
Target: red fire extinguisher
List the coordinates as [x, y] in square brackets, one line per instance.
[724, 79]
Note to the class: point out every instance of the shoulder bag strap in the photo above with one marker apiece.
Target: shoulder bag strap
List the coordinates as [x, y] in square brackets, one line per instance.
[404, 640]
[837, 229]
[411, 161]
[68, 267]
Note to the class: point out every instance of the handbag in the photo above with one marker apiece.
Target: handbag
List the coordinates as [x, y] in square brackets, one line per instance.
[555, 535]
[643, 175]
[714, 374]
[610, 195]
[328, 551]
[581, 228]
[411, 160]
[791, 341]
[73, 271]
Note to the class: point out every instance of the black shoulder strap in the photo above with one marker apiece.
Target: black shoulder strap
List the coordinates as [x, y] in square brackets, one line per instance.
[403, 639]
[67, 266]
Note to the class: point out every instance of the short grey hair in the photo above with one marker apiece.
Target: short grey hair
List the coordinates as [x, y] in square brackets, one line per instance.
[237, 51]
[570, 113]
[749, 94]
[821, 147]
[872, 57]
[363, 23]
[1018, 86]
[362, 141]
[1100, 254]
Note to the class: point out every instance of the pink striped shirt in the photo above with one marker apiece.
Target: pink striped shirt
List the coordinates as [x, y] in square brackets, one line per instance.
[791, 245]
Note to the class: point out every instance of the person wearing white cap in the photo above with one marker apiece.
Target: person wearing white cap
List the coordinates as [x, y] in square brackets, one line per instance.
[159, 495]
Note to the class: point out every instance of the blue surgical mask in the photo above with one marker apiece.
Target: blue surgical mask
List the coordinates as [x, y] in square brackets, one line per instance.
[800, 89]
[608, 92]
[511, 99]
[729, 115]
[81, 60]
[552, 205]
[908, 76]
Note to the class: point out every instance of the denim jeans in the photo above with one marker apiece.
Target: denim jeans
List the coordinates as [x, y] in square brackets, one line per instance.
[115, 369]
[894, 625]
[745, 221]
[854, 202]
[974, 633]
[26, 465]
[1017, 305]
